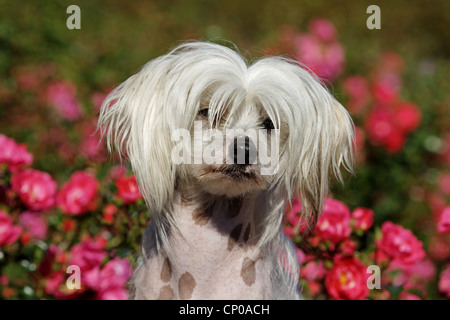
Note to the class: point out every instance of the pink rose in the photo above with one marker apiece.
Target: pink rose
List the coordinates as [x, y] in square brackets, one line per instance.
[347, 280]
[113, 279]
[382, 129]
[323, 29]
[313, 270]
[444, 281]
[117, 171]
[35, 188]
[408, 296]
[90, 146]
[407, 116]
[357, 89]
[384, 92]
[348, 247]
[9, 233]
[88, 255]
[79, 194]
[13, 154]
[34, 223]
[411, 276]
[54, 281]
[326, 60]
[400, 244]
[444, 222]
[362, 218]
[128, 189]
[62, 96]
[113, 294]
[294, 217]
[334, 224]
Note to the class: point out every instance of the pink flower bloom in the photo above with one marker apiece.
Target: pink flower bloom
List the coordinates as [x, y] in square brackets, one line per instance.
[444, 281]
[385, 93]
[34, 223]
[62, 96]
[325, 60]
[444, 222]
[98, 98]
[348, 247]
[79, 194]
[54, 281]
[128, 189]
[90, 146]
[113, 294]
[412, 276]
[117, 171]
[357, 89]
[347, 280]
[113, 278]
[88, 255]
[408, 296]
[294, 218]
[400, 244]
[35, 188]
[9, 233]
[109, 211]
[13, 155]
[323, 29]
[362, 218]
[334, 224]
[313, 270]
[382, 129]
[407, 116]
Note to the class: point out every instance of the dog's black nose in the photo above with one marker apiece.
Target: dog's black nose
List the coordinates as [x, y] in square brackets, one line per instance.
[244, 151]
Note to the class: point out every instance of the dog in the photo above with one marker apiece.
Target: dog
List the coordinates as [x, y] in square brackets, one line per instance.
[216, 226]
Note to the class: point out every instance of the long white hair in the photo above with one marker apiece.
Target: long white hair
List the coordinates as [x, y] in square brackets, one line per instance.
[138, 116]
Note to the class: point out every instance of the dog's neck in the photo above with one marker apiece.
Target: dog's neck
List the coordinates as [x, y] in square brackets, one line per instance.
[212, 251]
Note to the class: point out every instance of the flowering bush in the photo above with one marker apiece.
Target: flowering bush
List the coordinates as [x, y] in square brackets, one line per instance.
[62, 204]
[45, 230]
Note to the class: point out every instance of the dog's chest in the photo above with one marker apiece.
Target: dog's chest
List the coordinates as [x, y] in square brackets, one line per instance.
[213, 257]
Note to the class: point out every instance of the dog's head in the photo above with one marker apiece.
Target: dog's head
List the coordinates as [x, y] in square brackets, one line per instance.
[201, 115]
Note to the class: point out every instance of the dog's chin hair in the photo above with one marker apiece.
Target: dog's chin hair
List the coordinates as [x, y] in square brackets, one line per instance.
[219, 184]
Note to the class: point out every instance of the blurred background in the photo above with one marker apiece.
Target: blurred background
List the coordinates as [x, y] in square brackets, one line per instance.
[394, 81]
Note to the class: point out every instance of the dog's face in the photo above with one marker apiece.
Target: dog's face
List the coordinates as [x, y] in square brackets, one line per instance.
[239, 147]
[200, 114]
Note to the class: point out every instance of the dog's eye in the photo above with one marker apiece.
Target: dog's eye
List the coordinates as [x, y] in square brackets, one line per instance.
[268, 124]
[204, 112]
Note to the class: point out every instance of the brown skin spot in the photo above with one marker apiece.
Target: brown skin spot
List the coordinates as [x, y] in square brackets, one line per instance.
[166, 293]
[234, 236]
[234, 207]
[166, 271]
[247, 233]
[201, 216]
[186, 285]
[248, 272]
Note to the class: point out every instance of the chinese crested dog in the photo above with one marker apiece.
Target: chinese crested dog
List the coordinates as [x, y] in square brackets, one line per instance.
[218, 147]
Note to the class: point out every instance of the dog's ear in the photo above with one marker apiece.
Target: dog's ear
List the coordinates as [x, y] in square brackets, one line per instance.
[320, 142]
[331, 147]
[134, 123]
